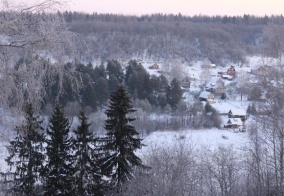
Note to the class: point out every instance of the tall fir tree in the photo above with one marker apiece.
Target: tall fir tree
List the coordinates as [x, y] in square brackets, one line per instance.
[87, 93]
[174, 93]
[113, 84]
[101, 91]
[60, 167]
[118, 160]
[87, 173]
[137, 80]
[27, 153]
[115, 69]
[99, 71]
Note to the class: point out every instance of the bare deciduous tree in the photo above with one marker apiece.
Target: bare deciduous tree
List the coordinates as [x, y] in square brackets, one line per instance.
[268, 135]
[173, 172]
[34, 46]
[222, 174]
[273, 41]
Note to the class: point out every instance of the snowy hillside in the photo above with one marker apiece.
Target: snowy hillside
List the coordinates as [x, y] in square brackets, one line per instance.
[211, 138]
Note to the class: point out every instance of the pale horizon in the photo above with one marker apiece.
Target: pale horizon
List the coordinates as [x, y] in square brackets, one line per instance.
[185, 7]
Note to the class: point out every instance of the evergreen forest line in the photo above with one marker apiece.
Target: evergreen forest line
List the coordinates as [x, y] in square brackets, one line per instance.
[99, 82]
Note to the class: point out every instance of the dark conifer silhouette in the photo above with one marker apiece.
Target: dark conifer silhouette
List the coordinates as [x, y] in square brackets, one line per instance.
[59, 167]
[27, 153]
[87, 173]
[118, 161]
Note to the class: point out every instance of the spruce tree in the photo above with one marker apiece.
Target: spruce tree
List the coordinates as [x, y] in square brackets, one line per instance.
[137, 80]
[87, 176]
[59, 167]
[114, 69]
[113, 84]
[99, 71]
[118, 161]
[27, 153]
[101, 91]
[88, 93]
[174, 93]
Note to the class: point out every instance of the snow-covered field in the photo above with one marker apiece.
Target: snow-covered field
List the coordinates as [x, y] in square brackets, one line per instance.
[211, 138]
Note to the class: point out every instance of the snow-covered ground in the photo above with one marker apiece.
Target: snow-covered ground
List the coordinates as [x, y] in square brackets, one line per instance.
[224, 106]
[211, 138]
[3, 155]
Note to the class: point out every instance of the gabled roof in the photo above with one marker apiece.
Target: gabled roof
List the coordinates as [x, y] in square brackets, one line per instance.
[204, 94]
[214, 82]
[154, 66]
[235, 121]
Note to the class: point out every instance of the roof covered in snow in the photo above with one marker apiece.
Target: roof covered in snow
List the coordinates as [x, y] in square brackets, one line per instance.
[214, 82]
[204, 94]
[235, 121]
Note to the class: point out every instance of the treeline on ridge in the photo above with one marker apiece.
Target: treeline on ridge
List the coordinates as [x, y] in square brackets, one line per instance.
[168, 37]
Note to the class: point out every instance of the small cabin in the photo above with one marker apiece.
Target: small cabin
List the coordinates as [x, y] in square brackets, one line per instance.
[186, 81]
[206, 96]
[231, 71]
[234, 123]
[154, 66]
[215, 85]
[237, 113]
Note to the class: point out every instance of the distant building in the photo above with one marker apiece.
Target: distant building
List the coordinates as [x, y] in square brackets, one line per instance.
[234, 123]
[155, 66]
[186, 81]
[231, 71]
[206, 96]
[215, 85]
[237, 113]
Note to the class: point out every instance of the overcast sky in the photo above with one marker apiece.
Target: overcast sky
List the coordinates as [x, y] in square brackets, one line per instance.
[185, 7]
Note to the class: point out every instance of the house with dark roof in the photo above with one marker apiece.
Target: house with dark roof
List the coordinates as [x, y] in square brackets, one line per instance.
[154, 66]
[231, 71]
[186, 81]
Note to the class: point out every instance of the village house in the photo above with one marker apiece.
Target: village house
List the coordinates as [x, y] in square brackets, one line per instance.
[186, 81]
[231, 71]
[206, 96]
[215, 85]
[154, 66]
[237, 113]
[234, 123]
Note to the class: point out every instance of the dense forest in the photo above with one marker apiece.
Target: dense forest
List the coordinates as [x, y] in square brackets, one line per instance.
[168, 37]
